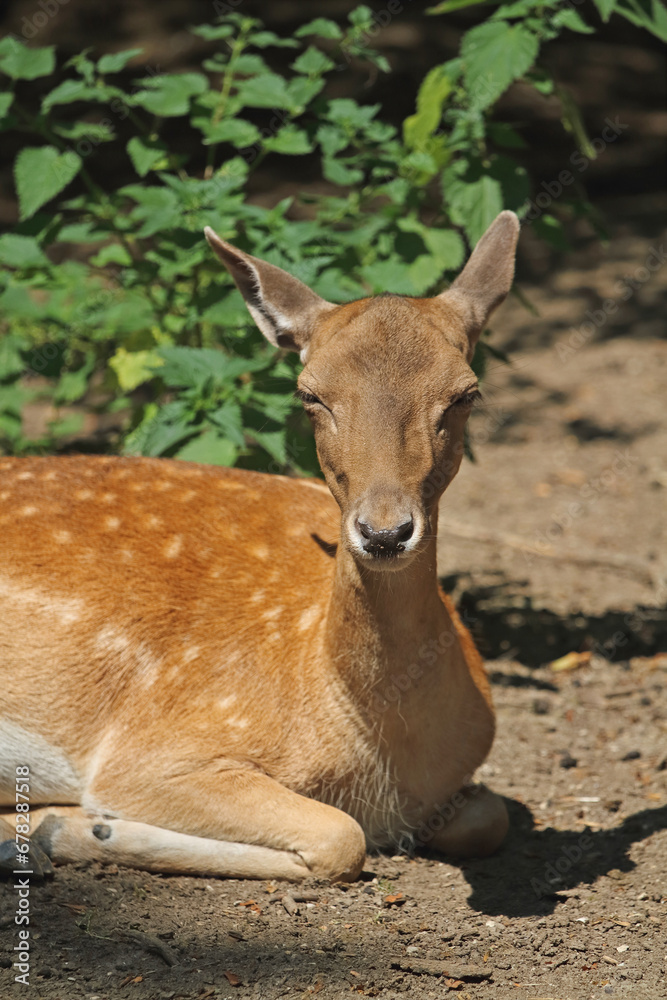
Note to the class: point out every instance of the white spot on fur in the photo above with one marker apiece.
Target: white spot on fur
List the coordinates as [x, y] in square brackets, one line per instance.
[25, 475]
[112, 523]
[308, 618]
[154, 521]
[108, 497]
[163, 485]
[173, 547]
[227, 702]
[63, 537]
[28, 511]
[272, 613]
[237, 723]
[190, 654]
[84, 495]
[110, 640]
[43, 603]
[5, 495]
[48, 477]
[260, 552]
[258, 596]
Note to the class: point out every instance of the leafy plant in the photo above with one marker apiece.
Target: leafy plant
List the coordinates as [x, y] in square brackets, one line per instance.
[110, 293]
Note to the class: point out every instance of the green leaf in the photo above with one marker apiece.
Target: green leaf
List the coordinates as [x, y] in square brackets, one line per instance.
[213, 32]
[114, 62]
[73, 384]
[264, 39]
[474, 206]
[11, 359]
[161, 429]
[40, 174]
[21, 251]
[134, 367]
[289, 140]
[169, 95]
[209, 448]
[159, 207]
[94, 132]
[228, 419]
[146, 154]
[649, 14]
[112, 253]
[447, 6]
[271, 441]
[568, 18]
[338, 173]
[606, 8]
[189, 366]
[236, 131]
[72, 90]
[5, 103]
[446, 246]
[301, 90]
[266, 91]
[346, 112]
[495, 54]
[22, 63]
[388, 276]
[432, 94]
[321, 26]
[312, 62]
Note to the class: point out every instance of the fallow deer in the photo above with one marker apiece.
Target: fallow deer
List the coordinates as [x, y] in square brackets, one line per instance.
[223, 672]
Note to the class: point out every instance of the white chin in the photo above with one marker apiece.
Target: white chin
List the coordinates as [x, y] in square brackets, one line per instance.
[383, 564]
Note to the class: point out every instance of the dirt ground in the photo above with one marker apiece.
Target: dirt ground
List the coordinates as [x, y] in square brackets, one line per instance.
[574, 906]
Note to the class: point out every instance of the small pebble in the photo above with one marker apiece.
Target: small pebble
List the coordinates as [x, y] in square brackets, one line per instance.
[632, 755]
[567, 760]
[541, 706]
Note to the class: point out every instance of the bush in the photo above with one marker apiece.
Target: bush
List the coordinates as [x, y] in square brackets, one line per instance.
[112, 294]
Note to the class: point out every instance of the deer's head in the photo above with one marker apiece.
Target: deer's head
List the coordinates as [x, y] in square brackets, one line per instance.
[387, 384]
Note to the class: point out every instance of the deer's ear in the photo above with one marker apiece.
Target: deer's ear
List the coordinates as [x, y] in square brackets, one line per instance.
[487, 277]
[285, 310]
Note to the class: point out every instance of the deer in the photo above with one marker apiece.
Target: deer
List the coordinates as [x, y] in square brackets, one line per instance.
[221, 672]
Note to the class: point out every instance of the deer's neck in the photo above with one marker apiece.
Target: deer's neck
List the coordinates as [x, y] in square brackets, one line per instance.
[378, 622]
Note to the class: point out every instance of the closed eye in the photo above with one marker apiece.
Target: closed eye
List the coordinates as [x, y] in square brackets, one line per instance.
[467, 398]
[308, 398]
[460, 403]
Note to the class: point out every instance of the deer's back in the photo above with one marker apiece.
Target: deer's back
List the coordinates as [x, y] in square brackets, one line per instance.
[155, 586]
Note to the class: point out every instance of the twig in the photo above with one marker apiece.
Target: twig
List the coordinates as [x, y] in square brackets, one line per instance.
[153, 945]
[289, 903]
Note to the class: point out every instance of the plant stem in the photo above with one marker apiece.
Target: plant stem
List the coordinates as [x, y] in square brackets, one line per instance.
[225, 89]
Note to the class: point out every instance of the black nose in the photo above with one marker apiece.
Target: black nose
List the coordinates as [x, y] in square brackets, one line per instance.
[386, 541]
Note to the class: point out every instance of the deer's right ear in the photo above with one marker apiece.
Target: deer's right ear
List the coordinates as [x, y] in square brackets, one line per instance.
[285, 310]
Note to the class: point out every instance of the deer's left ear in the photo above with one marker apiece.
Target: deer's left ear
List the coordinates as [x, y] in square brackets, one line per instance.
[487, 277]
[285, 310]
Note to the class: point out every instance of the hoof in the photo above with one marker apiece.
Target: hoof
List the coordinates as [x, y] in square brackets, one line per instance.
[37, 863]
